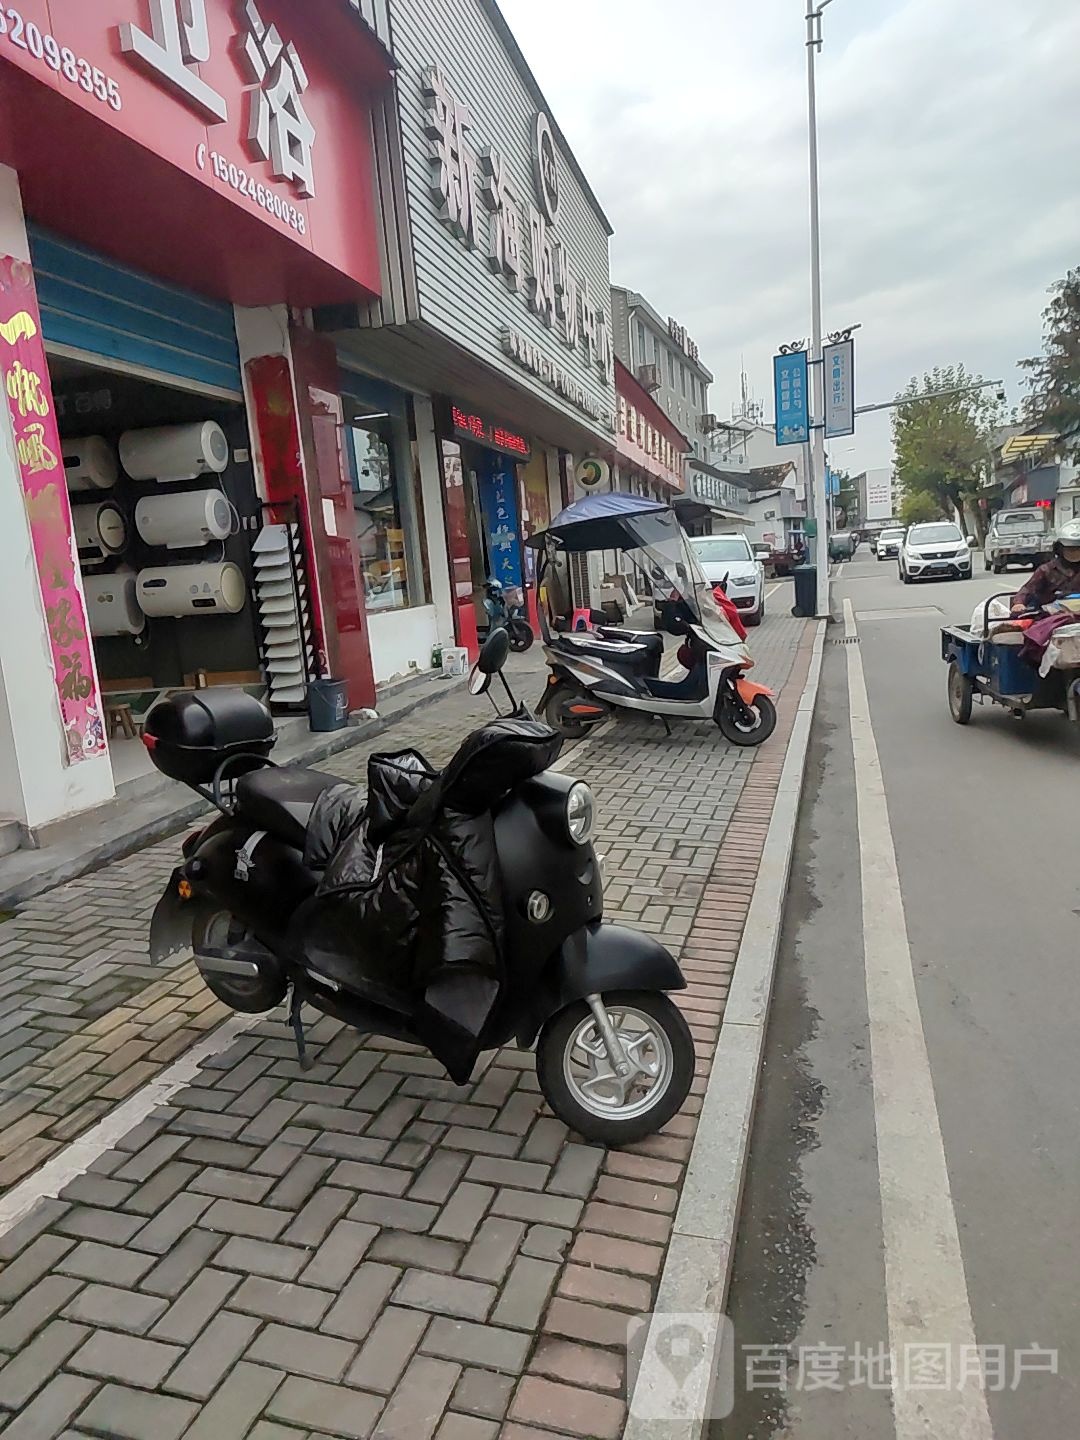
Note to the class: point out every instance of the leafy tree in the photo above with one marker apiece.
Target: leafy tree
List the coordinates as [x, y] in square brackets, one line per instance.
[1054, 376]
[942, 442]
[918, 506]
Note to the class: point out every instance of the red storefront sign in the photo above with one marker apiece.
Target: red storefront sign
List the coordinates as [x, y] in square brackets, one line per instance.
[230, 142]
[25, 378]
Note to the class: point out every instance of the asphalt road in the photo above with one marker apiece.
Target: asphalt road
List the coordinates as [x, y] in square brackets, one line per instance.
[914, 1183]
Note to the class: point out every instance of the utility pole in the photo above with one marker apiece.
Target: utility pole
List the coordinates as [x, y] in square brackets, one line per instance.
[817, 433]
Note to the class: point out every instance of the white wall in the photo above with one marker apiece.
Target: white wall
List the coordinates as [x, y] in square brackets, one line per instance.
[36, 784]
[431, 487]
[400, 636]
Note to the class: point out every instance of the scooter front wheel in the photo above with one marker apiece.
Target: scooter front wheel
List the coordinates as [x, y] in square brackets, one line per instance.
[585, 1087]
[736, 726]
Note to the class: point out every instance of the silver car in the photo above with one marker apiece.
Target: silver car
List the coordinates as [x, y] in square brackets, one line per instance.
[730, 556]
[1019, 537]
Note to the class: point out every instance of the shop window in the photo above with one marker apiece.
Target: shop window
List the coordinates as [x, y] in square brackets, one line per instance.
[387, 525]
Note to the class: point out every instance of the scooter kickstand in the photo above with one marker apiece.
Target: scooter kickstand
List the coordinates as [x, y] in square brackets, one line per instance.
[667, 727]
[297, 1023]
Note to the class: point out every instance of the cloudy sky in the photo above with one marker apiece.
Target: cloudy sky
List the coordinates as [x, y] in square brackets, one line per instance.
[950, 173]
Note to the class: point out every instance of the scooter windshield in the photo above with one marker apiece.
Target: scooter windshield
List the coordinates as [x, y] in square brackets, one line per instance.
[666, 558]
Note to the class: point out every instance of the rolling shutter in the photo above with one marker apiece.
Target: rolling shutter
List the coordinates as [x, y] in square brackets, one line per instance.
[99, 306]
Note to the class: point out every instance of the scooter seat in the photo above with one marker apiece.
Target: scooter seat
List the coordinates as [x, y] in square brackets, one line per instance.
[599, 649]
[652, 643]
[280, 801]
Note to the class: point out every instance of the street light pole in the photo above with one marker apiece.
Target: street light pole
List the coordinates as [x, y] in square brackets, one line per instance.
[817, 435]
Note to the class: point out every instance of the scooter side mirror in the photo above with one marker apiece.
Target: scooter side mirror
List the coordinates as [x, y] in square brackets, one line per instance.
[478, 681]
[493, 654]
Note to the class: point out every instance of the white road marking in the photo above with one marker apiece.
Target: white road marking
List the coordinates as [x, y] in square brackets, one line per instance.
[926, 1288]
[773, 590]
[75, 1159]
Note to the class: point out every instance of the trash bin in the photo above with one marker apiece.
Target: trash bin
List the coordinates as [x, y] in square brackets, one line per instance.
[328, 704]
[805, 577]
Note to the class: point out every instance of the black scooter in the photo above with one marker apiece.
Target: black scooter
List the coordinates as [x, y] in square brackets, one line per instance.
[614, 1056]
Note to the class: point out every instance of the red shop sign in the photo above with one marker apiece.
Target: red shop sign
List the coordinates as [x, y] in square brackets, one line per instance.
[262, 101]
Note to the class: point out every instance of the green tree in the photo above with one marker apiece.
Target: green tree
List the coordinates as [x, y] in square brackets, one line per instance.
[942, 442]
[1054, 376]
[918, 506]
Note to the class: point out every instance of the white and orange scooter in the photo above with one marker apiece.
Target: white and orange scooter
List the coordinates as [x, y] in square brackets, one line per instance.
[598, 672]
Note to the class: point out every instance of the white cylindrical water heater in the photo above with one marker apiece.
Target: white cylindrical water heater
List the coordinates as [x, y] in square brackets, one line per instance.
[216, 589]
[100, 531]
[112, 606]
[180, 521]
[175, 452]
[90, 463]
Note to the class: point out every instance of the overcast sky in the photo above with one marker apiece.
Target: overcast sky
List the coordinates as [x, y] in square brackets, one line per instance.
[950, 173]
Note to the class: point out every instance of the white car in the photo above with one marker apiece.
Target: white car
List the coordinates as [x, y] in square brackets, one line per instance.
[730, 556]
[937, 550]
[889, 542]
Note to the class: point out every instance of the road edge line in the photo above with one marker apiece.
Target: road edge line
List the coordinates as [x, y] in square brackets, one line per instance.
[697, 1267]
[76, 1158]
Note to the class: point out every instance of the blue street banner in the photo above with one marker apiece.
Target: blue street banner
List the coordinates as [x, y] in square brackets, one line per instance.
[792, 399]
[839, 362]
[832, 482]
[498, 500]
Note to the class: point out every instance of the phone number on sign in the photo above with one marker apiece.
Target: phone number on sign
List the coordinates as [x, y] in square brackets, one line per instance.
[246, 184]
[29, 37]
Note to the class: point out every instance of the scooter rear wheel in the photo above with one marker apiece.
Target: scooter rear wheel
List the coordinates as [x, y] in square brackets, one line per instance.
[580, 1084]
[250, 995]
[735, 728]
[556, 710]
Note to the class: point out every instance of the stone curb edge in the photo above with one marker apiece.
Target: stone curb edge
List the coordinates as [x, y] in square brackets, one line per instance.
[697, 1268]
[173, 821]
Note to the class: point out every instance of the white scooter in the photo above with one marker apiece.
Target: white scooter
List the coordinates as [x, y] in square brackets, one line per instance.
[594, 673]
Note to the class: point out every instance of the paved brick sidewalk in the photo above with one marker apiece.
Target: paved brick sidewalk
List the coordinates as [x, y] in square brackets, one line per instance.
[86, 1019]
[368, 1249]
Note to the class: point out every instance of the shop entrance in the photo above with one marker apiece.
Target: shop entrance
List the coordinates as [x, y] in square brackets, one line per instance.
[163, 509]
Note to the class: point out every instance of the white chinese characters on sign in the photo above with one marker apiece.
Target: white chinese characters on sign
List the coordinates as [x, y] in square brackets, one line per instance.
[180, 38]
[279, 130]
[452, 167]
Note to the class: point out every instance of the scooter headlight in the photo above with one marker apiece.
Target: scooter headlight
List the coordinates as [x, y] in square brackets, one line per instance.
[580, 813]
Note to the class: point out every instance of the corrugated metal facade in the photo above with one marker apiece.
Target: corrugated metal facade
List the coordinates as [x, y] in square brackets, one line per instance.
[457, 293]
[94, 304]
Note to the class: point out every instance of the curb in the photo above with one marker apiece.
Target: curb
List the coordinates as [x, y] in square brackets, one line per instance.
[173, 821]
[697, 1268]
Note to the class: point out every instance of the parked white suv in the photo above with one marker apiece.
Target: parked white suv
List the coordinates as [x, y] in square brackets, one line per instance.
[934, 551]
[731, 556]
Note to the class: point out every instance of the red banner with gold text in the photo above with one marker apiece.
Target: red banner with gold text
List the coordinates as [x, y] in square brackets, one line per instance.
[25, 378]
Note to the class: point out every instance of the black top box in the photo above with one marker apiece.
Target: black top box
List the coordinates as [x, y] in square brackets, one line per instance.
[191, 733]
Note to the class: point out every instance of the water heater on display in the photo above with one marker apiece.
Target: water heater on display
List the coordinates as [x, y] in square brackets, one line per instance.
[112, 604]
[177, 590]
[181, 521]
[100, 531]
[90, 463]
[175, 452]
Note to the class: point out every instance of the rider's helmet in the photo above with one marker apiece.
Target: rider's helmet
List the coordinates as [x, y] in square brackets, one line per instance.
[1067, 544]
